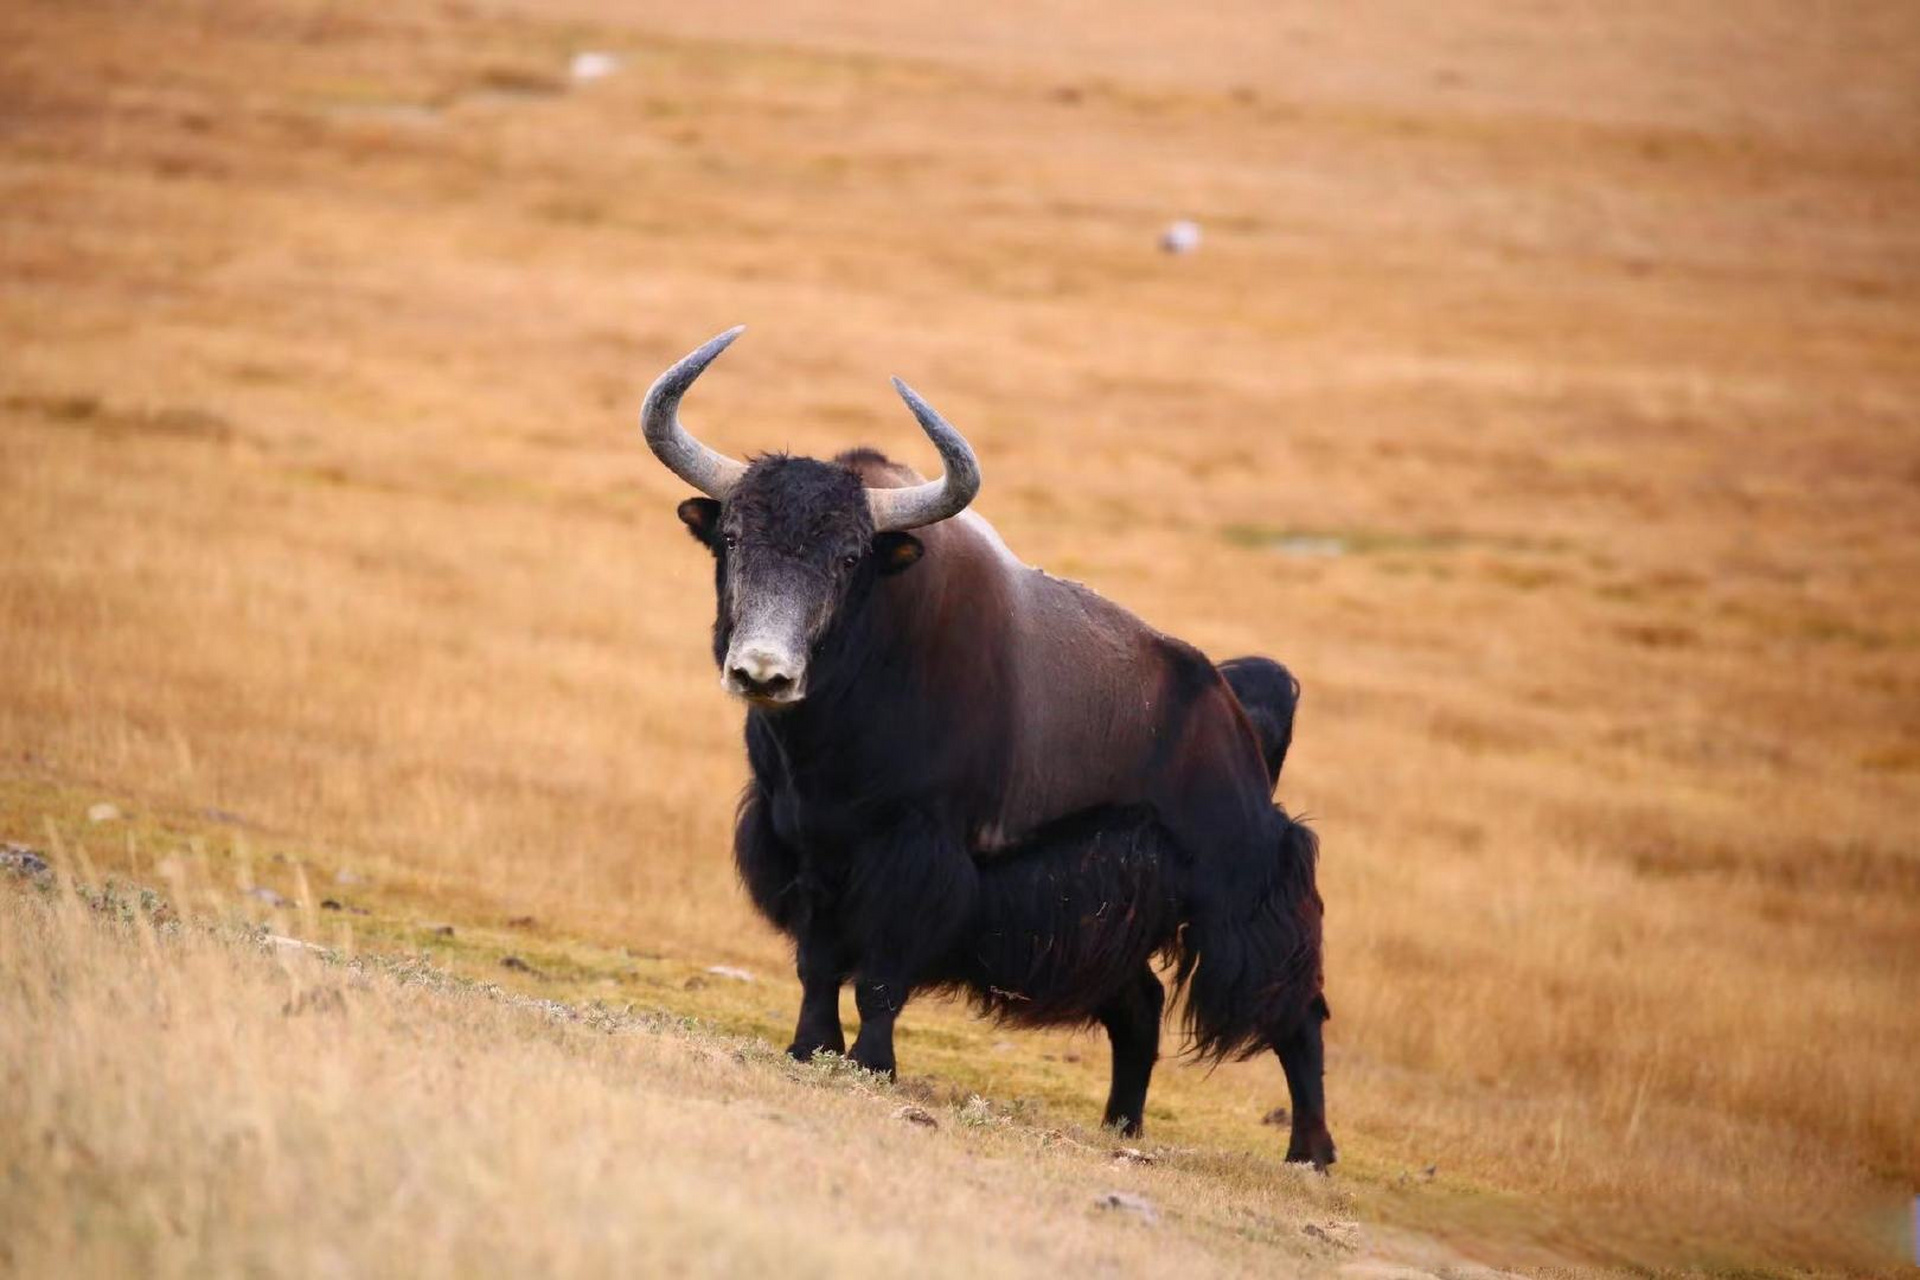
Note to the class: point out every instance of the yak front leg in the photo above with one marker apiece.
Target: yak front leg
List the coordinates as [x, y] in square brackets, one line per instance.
[787, 889]
[910, 894]
[821, 975]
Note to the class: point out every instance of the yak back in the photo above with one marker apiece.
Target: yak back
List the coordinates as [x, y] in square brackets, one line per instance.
[1033, 697]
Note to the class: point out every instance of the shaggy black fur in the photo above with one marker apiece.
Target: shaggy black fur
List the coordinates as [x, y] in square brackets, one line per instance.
[1065, 931]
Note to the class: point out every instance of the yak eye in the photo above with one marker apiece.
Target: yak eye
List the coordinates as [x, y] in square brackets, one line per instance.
[732, 540]
[851, 561]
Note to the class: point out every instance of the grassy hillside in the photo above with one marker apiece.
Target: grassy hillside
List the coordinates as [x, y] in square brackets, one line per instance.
[1543, 393]
[185, 1102]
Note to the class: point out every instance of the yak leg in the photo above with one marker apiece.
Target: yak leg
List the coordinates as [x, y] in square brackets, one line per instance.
[910, 893]
[879, 1001]
[1256, 914]
[1303, 1058]
[1132, 1020]
[787, 890]
[821, 976]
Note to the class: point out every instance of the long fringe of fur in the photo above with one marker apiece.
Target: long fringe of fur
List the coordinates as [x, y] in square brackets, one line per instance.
[1064, 923]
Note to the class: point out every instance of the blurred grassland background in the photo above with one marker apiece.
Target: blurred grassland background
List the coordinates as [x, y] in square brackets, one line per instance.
[1545, 392]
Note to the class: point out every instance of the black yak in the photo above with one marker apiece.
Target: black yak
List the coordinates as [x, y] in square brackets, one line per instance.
[968, 772]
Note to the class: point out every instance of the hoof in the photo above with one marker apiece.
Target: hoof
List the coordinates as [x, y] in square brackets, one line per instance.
[1314, 1149]
[883, 1067]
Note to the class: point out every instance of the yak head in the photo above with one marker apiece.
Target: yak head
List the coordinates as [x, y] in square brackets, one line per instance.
[797, 543]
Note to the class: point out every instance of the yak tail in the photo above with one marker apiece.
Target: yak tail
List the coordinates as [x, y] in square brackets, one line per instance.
[1269, 695]
[1250, 954]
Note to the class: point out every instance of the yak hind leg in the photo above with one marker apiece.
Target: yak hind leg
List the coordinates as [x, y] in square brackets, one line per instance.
[1303, 1058]
[1132, 1020]
[879, 1001]
[1255, 978]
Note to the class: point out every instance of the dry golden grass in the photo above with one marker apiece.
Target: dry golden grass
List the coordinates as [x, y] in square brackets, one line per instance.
[1592, 341]
[196, 1102]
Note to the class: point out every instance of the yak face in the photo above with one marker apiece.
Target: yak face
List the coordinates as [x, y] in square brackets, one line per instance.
[796, 556]
[797, 543]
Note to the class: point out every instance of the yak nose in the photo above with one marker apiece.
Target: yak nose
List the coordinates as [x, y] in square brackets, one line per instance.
[756, 671]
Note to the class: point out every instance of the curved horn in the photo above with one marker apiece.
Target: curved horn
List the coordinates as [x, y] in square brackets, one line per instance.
[710, 471]
[937, 499]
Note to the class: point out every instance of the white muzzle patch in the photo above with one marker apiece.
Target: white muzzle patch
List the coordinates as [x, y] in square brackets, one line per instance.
[763, 672]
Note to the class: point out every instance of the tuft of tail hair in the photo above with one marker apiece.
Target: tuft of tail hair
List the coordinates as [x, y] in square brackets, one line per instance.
[1270, 696]
[1249, 957]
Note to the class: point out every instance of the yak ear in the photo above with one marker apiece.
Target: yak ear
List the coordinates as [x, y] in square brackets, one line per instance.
[896, 552]
[702, 518]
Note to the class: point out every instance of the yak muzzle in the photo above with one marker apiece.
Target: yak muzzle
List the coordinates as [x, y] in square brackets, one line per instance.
[764, 675]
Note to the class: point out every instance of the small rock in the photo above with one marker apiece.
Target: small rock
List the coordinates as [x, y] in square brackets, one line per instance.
[331, 904]
[344, 876]
[1180, 237]
[919, 1088]
[1279, 1115]
[292, 944]
[441, 930]
[1407, 1177]
[1132, 1155]
[592, 65]
[103, 812]
[516, 964]
[917, 1115]
[22, 861]
[728, 971]
[263, 894]
[521, 922]
[1126, 1202]
[227, 816]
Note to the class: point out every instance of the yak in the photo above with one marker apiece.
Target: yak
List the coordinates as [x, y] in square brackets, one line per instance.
[966, 772]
